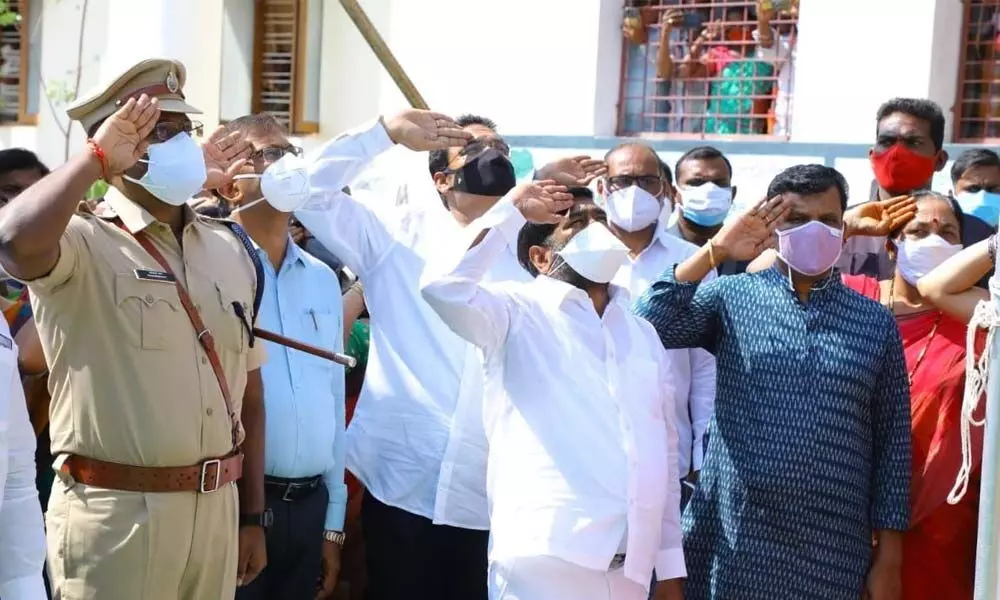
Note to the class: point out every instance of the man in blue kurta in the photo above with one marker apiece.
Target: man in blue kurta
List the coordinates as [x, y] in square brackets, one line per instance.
[809, 453]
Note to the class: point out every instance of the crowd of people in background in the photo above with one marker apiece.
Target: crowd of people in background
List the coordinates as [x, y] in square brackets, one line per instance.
[599, 383]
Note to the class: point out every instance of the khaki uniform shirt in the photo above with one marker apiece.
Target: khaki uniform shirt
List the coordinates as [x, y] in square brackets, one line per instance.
[130, 382]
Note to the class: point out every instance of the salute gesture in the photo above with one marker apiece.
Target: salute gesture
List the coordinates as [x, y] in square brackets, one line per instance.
[423, 130]
[123, 135]
[542, 201]
[225, 155]
[880, 218]
[749, 234]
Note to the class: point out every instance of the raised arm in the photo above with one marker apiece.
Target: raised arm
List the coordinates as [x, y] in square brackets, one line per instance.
[478, 313]
[33, 224]
[664, 61]
[952, 285]
[684, 311]
[350, 229]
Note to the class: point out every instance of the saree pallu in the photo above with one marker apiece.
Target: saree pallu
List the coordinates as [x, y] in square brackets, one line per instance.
[939, 550]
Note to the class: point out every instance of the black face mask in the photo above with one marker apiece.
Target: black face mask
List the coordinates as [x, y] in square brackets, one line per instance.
[488, 174]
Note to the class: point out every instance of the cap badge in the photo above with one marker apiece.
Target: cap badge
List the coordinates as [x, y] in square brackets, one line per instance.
[172, 84]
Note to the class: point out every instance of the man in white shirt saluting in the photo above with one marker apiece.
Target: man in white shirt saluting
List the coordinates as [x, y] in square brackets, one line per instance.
[22, 536]
[582, 478]
[634, 191]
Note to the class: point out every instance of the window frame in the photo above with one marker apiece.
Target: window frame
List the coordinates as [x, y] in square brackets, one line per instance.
[298, 125]
[959, 117]
[621, 111]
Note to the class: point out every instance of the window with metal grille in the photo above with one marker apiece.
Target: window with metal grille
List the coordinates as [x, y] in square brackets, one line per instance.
[727, 68]
[281, 47]
[977, 108]
[14, 62]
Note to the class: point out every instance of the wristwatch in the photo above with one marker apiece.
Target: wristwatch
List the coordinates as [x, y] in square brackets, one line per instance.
[337, 537]
[263, 520]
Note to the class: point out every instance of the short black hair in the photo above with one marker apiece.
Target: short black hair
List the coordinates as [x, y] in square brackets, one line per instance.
[703, 153]
[664, 169]
[977, 157]
[256, 123]
[535, 234]
[808, 180]
[921, 108]
[21, 159]
[438, 159]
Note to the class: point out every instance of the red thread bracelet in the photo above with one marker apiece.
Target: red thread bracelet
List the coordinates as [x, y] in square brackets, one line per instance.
[97, 151]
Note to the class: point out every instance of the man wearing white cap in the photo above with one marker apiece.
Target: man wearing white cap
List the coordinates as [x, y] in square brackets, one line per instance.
[144, 314]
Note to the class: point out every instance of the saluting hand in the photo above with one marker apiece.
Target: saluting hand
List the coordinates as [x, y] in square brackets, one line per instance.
[542, 201]
[123, 135]
[879, 218]
[225, 155]
[749, 234]
[576, 171]
[423, 130]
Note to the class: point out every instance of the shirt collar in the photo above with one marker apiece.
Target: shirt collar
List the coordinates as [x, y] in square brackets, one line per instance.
[134, 217]
[554, 293]
[293, 254]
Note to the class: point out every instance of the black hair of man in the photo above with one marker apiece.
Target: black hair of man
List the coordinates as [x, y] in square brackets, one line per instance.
[538, 234]
[920, 108]
[256, 123]
[977, 157]
[703, 153]
[809, 180]
[21, 159]
[438, 159]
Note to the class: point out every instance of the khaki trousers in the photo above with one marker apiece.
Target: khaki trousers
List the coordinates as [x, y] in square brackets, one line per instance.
[111, 545]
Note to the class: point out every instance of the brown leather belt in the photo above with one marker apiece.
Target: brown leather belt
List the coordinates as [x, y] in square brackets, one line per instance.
[203, 478]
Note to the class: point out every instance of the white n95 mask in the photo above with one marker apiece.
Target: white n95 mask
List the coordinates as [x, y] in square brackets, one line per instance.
[284, 184]
[918, 257]
[595, 253]
[176, 170]
[632, 208]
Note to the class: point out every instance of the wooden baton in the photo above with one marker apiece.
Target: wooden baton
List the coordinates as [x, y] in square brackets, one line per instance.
[340, 359]
[382, 52]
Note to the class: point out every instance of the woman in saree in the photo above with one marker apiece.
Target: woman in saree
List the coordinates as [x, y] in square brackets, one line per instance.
[940, 547]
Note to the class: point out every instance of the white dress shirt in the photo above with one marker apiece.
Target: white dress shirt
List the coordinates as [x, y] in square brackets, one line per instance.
[693, 370]
[581, 451]
[416, 440]
[22, 535]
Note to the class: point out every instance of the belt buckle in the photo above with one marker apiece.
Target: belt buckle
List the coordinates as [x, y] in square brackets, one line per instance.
[204, 475]
[286, 495]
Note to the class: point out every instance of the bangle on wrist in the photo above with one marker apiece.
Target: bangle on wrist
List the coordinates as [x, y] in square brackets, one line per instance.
[711, 255]
[336, 537]
[991, 246]
[97, 152]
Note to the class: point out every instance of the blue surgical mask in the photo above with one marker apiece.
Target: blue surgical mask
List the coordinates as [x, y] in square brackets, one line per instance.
[982, 204]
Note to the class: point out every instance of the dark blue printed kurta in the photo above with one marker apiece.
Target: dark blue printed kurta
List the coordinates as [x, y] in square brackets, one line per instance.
[810, 444]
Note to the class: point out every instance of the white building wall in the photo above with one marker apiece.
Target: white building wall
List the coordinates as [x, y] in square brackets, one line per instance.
[546, 70]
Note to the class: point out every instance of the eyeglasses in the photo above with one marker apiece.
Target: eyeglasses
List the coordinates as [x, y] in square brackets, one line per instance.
[271, 154]
[651, 183]
[168, 129]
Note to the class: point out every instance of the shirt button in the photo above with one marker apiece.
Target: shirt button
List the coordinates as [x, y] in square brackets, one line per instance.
[204, 360]
[209, 412]
[149, 298]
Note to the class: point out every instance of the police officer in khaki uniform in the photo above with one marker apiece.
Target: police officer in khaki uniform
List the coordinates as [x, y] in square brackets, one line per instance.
[143, 312]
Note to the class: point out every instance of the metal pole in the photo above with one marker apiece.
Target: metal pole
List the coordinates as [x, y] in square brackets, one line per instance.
[986, 547]
[382, 52]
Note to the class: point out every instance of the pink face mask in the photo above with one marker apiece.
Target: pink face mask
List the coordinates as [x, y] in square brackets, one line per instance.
[810, 249]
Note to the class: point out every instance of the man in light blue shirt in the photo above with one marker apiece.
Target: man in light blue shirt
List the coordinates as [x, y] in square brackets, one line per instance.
[303, 395]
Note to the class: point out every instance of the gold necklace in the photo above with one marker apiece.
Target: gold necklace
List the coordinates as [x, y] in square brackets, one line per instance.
[930, 338]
